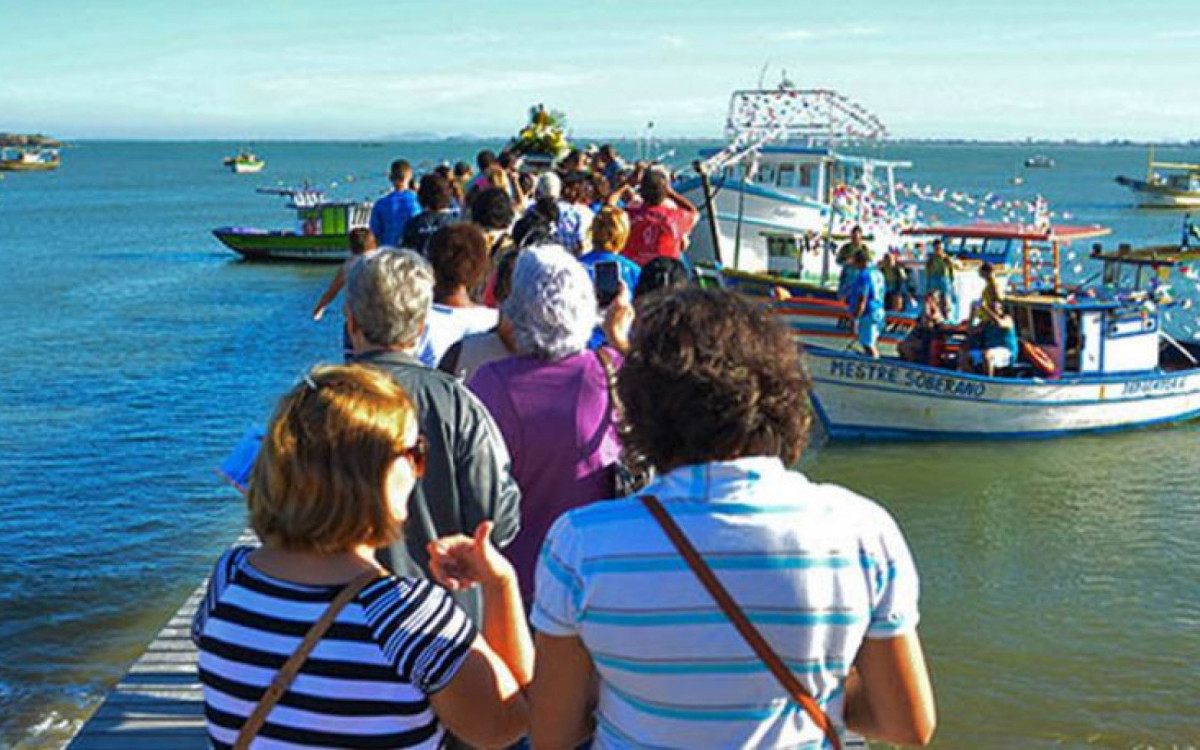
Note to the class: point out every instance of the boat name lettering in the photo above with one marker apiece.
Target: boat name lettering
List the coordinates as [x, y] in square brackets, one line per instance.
[1143, 387]
[920, 381]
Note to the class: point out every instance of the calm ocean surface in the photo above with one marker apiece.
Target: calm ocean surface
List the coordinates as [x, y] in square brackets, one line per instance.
[1059, 599]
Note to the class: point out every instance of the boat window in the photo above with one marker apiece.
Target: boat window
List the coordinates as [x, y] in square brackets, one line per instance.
[787, 175]
[1036, 325]
[766, 175]
[806, 175]
[782, 246]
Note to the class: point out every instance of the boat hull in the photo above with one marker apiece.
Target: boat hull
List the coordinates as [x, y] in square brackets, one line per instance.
[857, 398]
[1160, 196]
[285, 247]
[19, 166]
[247, 168]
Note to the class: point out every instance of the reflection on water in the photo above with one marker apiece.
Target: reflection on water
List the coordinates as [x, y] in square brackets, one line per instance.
[1059, 578]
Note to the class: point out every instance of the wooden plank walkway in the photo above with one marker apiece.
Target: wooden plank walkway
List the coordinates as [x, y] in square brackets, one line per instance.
[159, 704]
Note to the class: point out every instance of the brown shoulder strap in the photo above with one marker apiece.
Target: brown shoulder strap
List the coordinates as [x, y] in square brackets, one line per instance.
[761, 648]
[289, 670]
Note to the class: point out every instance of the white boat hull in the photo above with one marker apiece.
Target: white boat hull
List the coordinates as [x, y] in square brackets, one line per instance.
[1160, 196]
[248, 168]
[864, 399]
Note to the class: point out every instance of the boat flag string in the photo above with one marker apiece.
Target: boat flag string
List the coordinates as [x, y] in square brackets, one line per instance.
[988, 206]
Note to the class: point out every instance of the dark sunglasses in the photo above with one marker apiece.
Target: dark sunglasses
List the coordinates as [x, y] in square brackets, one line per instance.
[417, 453]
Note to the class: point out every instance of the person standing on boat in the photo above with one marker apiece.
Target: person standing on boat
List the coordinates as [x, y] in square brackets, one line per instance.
[467, 476]
[866, 302]
[391, 212]
[939, 276]
[845, 256]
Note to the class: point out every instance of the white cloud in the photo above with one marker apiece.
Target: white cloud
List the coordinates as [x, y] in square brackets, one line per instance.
[672, 41]
[1182, 34]
[807, 35]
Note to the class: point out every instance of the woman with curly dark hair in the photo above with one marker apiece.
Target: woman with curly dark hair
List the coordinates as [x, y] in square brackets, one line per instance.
[715, 397]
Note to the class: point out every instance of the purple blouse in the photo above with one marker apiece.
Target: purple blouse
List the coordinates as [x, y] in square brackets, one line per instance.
[557, 423]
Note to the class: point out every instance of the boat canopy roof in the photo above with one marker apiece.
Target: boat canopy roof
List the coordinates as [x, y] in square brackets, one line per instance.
[1067, 302]
[817, 151]
[1008, 231]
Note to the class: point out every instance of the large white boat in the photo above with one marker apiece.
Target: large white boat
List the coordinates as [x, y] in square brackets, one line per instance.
[786, 186]
[1167, 185]
[1103, 362]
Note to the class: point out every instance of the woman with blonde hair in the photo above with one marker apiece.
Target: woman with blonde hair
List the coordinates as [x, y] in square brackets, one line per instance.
[610, 232]
[305, 640]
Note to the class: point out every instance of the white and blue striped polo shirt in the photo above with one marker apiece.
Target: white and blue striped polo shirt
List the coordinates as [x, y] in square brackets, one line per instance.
[815, 567]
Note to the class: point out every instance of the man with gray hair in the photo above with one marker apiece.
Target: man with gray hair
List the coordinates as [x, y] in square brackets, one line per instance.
[467, 473]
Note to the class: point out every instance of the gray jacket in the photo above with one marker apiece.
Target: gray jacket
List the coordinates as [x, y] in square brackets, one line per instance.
[467, 476]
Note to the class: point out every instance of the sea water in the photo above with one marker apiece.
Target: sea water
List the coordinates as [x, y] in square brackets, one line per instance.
[1059, 578]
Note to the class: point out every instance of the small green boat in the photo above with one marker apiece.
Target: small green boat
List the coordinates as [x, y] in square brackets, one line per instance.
[322, 234]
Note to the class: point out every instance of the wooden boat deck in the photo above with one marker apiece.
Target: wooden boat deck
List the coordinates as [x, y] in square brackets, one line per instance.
[159, 706]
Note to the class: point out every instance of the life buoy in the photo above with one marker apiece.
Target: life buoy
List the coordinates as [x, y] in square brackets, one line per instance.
[1041, 361]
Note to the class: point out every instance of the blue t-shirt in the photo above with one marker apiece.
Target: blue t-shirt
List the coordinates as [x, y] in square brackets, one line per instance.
[869, 284]
[389, 215]
[630, 272]
[996, 336]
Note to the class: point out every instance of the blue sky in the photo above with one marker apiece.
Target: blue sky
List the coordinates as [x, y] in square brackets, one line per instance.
[369, 68]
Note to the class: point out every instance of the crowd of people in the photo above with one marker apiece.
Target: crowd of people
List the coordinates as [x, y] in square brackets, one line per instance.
[466, 529]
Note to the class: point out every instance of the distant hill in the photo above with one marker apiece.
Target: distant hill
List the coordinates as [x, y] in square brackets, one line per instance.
[37, 140]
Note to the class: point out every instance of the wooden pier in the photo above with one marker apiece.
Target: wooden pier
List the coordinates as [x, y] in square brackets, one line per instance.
[158, 704]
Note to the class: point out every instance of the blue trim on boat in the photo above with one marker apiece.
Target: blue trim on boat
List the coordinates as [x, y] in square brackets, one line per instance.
[1040, 403]
[887, 433]
[750, 221]
[720, 183]
[1105, 379]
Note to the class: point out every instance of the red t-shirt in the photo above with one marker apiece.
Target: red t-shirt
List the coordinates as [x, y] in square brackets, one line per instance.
[657, 230]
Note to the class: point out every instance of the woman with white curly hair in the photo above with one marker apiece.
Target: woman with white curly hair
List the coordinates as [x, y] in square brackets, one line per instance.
[551, 401]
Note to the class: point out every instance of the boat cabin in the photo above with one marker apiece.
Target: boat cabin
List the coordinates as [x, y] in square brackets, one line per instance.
[808, 173]
[1024, 257]
[315, 215]
[1087, 336]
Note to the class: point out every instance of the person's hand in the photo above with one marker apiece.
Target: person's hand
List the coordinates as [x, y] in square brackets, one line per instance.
[618, 319]
[460, 562]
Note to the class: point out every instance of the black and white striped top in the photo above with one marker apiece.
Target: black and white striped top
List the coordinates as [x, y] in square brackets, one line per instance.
[365, 685]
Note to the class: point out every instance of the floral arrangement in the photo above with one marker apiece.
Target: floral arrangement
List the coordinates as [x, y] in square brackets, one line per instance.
[545, 135]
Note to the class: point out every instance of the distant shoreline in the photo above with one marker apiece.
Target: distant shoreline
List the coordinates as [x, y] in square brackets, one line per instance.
[375, 142]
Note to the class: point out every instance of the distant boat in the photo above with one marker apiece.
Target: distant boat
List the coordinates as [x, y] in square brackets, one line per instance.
[28, 159]
[1039, 161]
[244, 163]
[1167, 185]
[323, 234]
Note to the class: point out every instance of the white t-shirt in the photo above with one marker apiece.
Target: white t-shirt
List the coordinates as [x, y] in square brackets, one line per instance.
[446, 325]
